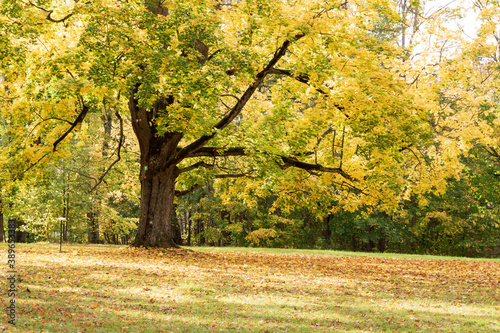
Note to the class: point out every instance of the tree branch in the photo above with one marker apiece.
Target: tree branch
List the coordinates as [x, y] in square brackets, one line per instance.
[50, 12]
[231, 175]
[186, 192]
[217, 152]
[77, 121]
[118, 157]
[196, 166]
[313, 167]
[304, 78]
[289, 161]
[79, 173]
[235, 111]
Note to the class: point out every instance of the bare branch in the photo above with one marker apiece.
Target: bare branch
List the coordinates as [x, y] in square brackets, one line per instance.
[235, 97]
[289, 161]
[217, 152]
[77, 121]
[34, 164]
[79, 173]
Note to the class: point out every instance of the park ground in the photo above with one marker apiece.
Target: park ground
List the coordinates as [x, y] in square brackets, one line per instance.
[123, 289]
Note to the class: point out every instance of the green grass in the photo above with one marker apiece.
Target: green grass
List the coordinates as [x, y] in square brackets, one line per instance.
[334, 253]
[121, 289]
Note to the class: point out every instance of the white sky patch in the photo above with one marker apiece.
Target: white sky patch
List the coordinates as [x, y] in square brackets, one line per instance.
[468, 24]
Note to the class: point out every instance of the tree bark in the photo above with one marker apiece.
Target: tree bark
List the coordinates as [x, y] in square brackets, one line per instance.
[157, 203]
[327, 231]
[157, 181]
[21, 236]
[176, 226]
[93, 223]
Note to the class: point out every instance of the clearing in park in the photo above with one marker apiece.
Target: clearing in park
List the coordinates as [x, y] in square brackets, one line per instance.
[123, 289]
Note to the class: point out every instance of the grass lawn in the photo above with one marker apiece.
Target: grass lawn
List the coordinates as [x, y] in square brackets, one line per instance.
[123, 289]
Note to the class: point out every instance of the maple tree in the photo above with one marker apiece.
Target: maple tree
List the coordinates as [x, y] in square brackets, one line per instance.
[188, 70]
[319, 102]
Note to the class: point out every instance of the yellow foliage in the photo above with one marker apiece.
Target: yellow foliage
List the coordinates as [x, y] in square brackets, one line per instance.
[261, 236]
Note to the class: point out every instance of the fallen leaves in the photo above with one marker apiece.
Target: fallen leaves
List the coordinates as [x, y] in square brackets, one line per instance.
[220, 291]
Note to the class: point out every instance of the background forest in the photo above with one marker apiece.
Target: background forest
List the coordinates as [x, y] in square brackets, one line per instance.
[410, 127]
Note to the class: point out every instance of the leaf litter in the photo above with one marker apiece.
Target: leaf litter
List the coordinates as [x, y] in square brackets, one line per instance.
[116, 289]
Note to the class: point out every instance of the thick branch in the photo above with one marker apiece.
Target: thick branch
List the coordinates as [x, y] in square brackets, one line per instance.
[77, 121]
[226, 152]
[235, 111]
[238, 151]
[313, 167]
[231, 175]
[217, 152]
[49, 14]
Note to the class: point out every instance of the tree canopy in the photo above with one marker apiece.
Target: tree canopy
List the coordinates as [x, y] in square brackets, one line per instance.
[335, 106]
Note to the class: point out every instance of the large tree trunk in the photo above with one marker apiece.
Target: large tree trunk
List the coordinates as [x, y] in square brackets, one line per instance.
[157, 203]
[157, 181]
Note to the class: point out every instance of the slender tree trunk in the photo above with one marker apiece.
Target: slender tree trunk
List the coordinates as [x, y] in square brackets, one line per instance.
[189, 228]
[65, 231]
[93, 215]
[368, 246]
[199, 232]
[354, 247]
[65, 215]
[2, 230]
[381, 244]
[93, 222]
[327, 231]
